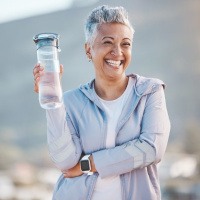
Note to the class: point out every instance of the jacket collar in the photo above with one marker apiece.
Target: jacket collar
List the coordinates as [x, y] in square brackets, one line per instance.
[143, 86]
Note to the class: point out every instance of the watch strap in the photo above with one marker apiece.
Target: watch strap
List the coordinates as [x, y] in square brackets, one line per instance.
[86, 157]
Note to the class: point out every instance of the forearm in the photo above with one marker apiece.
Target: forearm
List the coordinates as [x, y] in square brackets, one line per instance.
[56, 124]
[119, 160]
[122, 159]
[148, 148]
[64, 147]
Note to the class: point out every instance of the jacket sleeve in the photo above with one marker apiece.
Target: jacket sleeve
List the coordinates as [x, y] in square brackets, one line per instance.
[63, 143]
[143, 151]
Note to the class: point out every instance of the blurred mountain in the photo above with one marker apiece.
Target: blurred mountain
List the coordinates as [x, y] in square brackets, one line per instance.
[166, 46]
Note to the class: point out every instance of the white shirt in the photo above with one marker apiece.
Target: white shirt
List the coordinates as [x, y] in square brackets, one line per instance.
[110, 187]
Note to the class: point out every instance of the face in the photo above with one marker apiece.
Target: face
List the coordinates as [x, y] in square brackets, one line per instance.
[110, 51]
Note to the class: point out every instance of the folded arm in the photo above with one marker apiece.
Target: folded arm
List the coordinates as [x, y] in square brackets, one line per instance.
[63, 143]
[143, 151]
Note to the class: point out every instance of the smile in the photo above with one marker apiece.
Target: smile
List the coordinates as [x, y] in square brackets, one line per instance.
[114, 63]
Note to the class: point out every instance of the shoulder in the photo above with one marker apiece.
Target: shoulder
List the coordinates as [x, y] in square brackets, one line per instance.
[145, 85]
[74, 97]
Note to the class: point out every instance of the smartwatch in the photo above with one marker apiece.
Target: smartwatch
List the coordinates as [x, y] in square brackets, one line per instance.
[85, 165]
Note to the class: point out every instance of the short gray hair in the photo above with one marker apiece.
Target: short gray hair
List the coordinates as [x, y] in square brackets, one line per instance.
[105, 14]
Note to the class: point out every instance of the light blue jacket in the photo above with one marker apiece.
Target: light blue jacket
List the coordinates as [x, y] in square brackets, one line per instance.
[142, 135]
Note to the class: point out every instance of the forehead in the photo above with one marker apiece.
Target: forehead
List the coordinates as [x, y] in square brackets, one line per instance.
[114, 30]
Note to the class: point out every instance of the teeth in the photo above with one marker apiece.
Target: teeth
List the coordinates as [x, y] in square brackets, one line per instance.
[113, 62]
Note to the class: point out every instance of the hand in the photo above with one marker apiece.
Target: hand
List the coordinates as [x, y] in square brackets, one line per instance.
[38, 71]
[73, 172]
[76, 170]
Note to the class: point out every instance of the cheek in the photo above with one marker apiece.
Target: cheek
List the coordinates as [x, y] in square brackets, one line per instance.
[129, 56]
[97, 52]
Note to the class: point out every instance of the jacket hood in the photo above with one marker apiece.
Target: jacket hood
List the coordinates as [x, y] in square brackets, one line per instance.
[142, 86]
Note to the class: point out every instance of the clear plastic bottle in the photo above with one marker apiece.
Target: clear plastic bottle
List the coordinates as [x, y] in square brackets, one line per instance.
[50, 91]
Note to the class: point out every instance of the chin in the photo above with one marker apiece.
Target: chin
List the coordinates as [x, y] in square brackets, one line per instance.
[115, 76]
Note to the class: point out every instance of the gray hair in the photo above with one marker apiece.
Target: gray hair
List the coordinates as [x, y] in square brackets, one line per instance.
[105, 14]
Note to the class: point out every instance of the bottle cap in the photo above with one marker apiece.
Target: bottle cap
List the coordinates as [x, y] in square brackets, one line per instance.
[46, 39]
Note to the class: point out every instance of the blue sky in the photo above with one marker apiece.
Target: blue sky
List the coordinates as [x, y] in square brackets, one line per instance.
[19, 9]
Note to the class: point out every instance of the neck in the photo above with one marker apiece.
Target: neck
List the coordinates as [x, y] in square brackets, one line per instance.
[110, 89]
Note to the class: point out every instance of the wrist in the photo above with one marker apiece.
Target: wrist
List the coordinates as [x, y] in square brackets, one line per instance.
[85, 165]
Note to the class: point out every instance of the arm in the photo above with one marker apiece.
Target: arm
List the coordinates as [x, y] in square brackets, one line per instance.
[143, 151]
[63, 143]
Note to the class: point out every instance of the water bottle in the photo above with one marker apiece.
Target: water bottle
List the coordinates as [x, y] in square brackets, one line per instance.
[50, 91]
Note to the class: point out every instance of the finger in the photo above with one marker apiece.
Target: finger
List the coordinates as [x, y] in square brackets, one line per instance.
[37, 69]
[61, 69]
[36, 76]
[37, 80]
[36, 88]
[37, 72]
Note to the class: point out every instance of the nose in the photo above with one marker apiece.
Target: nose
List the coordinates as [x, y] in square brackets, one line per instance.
[116, 51]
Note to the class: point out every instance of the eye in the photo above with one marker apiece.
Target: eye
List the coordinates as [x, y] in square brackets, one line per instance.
[126, 44]
[107, 42]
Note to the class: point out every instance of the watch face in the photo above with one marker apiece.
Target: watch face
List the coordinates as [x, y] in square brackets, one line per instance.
[85, 165]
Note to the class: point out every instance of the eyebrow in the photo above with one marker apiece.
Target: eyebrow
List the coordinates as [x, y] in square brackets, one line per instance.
[109, 37]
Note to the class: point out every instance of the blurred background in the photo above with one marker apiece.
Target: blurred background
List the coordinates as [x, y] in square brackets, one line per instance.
[166, 46]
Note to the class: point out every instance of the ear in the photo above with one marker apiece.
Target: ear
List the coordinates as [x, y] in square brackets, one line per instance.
[88, 50]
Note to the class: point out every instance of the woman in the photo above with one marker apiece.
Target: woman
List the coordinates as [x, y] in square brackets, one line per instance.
[110, 134]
